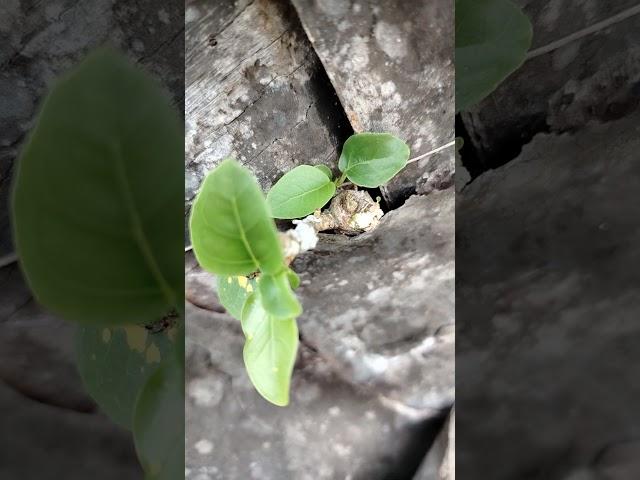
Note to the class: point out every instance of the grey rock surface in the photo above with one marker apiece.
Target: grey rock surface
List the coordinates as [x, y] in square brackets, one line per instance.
[49, 423]
[62, 443]
[391, 64]
[255, 91]
[375, 369]
[548, 306]
[41, 40]
[330, 430]
[36, 349]
[381, 305]
[562, 87]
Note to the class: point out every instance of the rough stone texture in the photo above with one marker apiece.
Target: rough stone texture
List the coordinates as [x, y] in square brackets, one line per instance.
[547, 308]
[43, 441]
[49, 423]
[375, 369]
[36, 351]
[391, 64]
[594, 77]
[381, 305]
[41, 40]
[331, 430]
[255, 91]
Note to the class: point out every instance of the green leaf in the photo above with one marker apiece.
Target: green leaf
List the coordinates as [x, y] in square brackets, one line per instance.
[233, 292]
[269, 352]
[232, 231]
[116, 362]
[492, 39]
[300, 192]
[326, 170]
[97, 200]
[158, 426]
[372, 159]
[294, 279]
[277, 296]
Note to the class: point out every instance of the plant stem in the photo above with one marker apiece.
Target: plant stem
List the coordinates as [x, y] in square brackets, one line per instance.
[340, 180]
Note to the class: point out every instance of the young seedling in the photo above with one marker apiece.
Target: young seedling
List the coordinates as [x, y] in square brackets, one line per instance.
[234, 236]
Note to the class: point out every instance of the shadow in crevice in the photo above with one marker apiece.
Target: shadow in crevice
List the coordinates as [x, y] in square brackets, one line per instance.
[419, 442]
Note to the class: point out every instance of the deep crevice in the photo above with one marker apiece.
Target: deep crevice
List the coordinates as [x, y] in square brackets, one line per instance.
[330, 108]
[509, 140]
[502, 150]
[422, 438]
[468, 154]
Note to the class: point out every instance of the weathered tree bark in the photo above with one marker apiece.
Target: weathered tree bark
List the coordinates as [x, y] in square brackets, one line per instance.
[256, 92]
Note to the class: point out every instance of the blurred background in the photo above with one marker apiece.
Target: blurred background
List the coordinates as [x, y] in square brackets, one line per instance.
[546, 243]
[50, 427]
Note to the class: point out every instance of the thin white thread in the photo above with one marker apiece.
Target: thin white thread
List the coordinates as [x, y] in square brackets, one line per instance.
[431, 152]
[629, 12]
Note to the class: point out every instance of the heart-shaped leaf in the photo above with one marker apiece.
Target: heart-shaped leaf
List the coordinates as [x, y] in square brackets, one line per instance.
[269, 352]
[232, 231]
[492, 39]
[300, 192]
[372, 159]
[233, 292]
[116, 362]
[97, 201]
[158, 426]
[277, 296]
[326, 170]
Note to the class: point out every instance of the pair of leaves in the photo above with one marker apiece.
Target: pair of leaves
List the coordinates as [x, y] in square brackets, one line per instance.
[492, 39]
[367, 159]
[276, 292]
[97, 211]
[271, 340]
[233, 235]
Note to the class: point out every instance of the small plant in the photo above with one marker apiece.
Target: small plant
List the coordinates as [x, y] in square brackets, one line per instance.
[234, 236]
